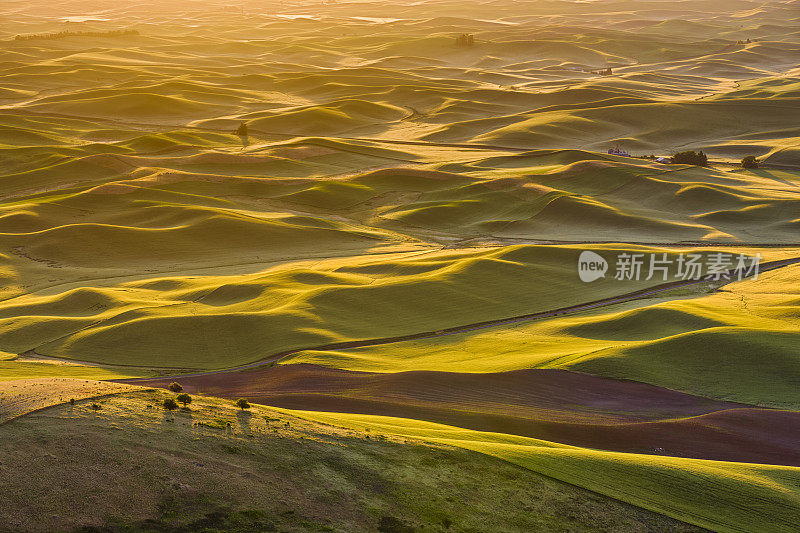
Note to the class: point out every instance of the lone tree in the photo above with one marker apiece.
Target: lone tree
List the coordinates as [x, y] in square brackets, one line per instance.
[750, 161]
[184, 398]
[170, 404]
[175, 387]
[242, 403]
[690, 157]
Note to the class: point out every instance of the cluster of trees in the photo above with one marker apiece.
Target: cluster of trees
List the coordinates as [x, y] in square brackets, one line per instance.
[465, 39]
[749, 161]
[690, 157]
[67, 33]
[170, 404]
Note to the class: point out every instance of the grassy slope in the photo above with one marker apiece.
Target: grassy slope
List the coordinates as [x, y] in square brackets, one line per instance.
[717, 495]
[187, 472]
[22, 396]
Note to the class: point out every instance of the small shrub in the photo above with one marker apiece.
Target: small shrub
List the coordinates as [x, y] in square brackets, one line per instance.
[242, 403]
[96, 407]
[750, 161]
[175, 387]
[170, 404]
[72, 401]
[214, 424]
[184, 398]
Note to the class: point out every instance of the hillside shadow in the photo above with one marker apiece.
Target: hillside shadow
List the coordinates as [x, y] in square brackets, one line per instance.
[243, 417]
[771, 174]
[182, 415]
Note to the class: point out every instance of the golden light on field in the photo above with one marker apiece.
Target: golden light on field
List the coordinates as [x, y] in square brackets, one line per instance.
[365, 221]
